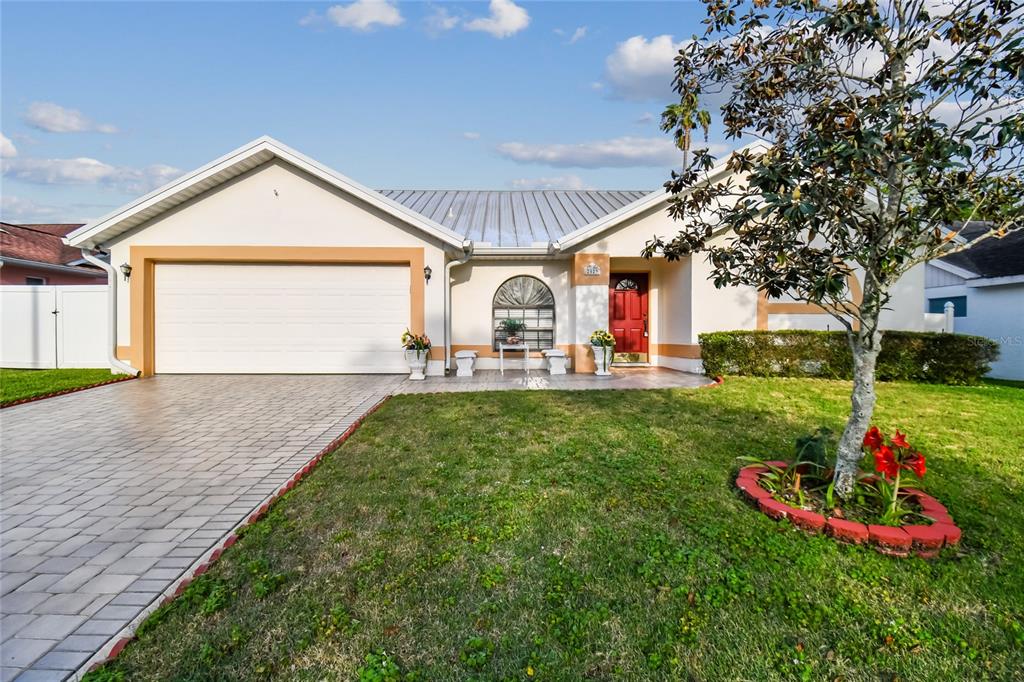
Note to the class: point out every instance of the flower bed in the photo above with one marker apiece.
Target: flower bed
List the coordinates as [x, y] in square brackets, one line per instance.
[923, 540]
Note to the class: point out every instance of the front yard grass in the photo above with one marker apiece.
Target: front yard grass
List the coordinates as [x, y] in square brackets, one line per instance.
[18, 384]
[597, 534]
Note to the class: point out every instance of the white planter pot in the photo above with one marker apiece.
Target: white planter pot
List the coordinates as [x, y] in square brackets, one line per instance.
[602, 359]
[417, 360]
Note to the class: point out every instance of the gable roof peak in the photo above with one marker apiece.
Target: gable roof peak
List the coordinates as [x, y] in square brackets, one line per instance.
[231, 165]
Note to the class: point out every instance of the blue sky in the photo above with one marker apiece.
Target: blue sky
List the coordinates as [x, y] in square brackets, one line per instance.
[103, 101]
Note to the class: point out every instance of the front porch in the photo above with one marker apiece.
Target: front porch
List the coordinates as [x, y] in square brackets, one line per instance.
[540, 380]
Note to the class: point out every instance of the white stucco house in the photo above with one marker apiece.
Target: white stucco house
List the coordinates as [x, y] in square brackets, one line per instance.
[985, 284]
[265, 261]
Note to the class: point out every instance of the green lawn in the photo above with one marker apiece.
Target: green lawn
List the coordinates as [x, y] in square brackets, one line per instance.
[17, 384]
[568, 535]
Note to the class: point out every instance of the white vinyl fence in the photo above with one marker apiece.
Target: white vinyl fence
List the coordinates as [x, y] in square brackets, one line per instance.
[45, 327]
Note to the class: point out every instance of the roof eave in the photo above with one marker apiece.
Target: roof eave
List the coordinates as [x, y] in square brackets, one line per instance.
[954, 269]
[55, 267]
[94, 233]
[513, 251]
[645, 203]
[1001, 280]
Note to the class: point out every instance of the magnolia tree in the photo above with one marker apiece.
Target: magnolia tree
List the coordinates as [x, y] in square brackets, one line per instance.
[883, 128]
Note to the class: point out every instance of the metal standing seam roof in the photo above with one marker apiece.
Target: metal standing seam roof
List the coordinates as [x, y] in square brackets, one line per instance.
[514, 218]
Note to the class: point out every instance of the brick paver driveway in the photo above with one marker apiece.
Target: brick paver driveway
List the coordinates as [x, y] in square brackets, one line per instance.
[110, 494]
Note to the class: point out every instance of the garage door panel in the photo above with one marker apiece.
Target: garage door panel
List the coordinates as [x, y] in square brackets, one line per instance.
[220, 318]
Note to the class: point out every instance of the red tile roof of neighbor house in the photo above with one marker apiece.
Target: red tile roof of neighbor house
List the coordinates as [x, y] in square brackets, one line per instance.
[40, 243]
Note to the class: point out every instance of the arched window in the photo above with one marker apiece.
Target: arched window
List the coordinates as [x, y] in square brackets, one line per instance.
[626, 284]
[530, 300]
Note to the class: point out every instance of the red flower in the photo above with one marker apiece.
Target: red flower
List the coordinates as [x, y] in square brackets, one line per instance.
[873, 438]
[885, 462]
[900, 440]
[915, 463]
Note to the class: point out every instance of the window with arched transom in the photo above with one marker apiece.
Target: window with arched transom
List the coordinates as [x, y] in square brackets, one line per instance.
[530, 300]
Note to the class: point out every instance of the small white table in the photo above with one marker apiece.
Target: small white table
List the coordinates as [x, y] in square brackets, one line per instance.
[502, 347]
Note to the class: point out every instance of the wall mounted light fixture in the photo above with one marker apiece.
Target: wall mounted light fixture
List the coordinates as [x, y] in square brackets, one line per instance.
[126, 270]
[426, 273]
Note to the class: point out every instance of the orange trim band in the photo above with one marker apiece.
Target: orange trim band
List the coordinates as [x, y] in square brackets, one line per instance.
[583, 358]
[766, 307]
[677, 350]
[144, 260]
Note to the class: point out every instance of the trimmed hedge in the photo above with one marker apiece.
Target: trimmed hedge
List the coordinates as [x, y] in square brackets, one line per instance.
[925, 357]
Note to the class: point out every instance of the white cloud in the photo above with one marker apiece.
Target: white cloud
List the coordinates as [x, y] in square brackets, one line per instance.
[645, 118]
[639, 68]
[506, 19]
[361, 15]
[7, 148]
[578, 35]
[313, 19]
[14, 209]
[620, 152]
[440, 21]
[54, 118]
[469, 135]
[554, 182]
[86, 171]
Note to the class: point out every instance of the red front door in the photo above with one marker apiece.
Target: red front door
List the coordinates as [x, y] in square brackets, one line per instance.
[627, 312]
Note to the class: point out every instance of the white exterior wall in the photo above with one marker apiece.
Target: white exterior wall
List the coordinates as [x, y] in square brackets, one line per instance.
[719, 309]
[904, 311]
[279, 205]
[474, 285]
[996, 312]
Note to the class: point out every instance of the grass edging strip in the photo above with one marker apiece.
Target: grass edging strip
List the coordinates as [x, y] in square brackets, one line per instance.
[66, 391]
[116, 644]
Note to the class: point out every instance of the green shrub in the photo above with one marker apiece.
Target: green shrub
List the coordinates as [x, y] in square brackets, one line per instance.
[924, 357]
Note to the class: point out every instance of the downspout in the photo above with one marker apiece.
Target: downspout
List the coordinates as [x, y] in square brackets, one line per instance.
[448, 304]
[116, 365]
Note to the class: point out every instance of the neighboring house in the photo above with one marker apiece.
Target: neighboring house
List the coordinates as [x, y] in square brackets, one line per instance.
[36, 254]
[986, 286]
[267, 261]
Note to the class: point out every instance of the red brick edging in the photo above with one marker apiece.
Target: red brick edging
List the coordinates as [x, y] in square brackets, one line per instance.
[204, 564]
[924, 540]
[717, 381]
[66, 391]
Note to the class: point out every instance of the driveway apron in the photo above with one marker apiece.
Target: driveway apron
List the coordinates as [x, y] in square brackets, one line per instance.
[108, 495]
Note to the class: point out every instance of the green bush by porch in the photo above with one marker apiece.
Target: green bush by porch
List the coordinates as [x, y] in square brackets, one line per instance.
[955, 359]
[598, 534]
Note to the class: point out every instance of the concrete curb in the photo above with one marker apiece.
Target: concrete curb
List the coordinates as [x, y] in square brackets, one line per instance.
[119, 641]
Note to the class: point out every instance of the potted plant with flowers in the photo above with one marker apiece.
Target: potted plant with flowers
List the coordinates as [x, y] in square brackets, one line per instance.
[417, 350]
[513, 328]
[603, 344]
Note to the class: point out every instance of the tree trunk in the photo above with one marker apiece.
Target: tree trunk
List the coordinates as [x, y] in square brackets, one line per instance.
[865, 346]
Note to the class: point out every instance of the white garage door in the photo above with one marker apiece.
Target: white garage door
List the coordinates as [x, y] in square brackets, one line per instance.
[256, 319]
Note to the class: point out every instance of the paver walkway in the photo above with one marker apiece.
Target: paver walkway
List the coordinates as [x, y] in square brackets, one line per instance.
[110, 494]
